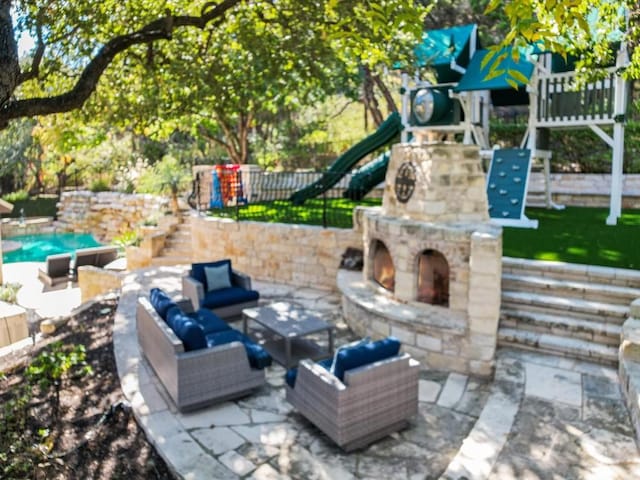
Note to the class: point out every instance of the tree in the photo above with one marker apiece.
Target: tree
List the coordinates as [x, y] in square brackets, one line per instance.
[77, 42]
[584, 28]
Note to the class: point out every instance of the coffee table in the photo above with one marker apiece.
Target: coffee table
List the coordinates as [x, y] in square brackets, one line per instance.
[285, 325]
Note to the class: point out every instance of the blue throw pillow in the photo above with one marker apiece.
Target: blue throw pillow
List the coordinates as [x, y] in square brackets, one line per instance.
[217, 277]
[191, 335]
[364, 354]
[161, 302]
[197, 270]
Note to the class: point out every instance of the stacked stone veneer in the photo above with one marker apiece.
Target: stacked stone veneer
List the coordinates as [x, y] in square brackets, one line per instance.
[305, 256]
[629, 364]
[447, 212]
[106, 214]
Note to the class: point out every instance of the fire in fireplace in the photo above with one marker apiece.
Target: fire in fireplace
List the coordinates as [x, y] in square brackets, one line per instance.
[383, 270]
[433, 278]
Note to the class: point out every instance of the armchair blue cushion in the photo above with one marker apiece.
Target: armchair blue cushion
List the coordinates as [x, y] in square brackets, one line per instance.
[228, 296]
[197, 271]
[292, 373]
[258, 357]
[208, 320]
[360, 355]
[161, 302]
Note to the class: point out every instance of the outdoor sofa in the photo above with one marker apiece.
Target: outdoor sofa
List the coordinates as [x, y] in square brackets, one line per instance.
[219, 288]
[94, 256]
[372, 392]
[198, 358]
[56, 269]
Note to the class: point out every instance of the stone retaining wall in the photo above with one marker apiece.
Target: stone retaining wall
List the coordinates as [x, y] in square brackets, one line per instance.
[301, 255]
[585, 189]
[12, 227]
[106, 214]
[629, 366]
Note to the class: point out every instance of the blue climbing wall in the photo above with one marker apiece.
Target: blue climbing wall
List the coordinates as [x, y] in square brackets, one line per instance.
[507, 183]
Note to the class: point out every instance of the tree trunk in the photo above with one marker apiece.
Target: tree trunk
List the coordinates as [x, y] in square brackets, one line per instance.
[369, 97]
[9, 66]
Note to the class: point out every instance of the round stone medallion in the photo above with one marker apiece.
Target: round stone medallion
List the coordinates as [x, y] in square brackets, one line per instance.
[405, 182]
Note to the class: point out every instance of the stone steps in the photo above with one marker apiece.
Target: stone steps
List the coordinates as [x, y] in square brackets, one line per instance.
[569, 271]
[570, 288]
[603, 333]
[177, 248]
[562, 305]
[565, 309]
[558, 345]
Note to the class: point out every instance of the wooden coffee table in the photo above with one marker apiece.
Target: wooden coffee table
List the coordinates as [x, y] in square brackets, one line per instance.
[285, 325]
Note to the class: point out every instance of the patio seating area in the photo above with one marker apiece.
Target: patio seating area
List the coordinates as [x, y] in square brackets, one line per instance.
[541, 416]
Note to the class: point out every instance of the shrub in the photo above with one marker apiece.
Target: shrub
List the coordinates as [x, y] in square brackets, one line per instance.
[127, 239]
[9, 292]
[18, 196]
[99, 185]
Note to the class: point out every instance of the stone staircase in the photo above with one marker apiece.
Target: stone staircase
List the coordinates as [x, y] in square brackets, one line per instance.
[177, 248]
[565, 309]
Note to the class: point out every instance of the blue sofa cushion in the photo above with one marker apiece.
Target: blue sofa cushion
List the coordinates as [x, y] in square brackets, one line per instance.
[161, 302]
[208, 320]
[360, 355]
[228, 296]
[197, 271]
[258, 357]
[292, 373]
[191, 334]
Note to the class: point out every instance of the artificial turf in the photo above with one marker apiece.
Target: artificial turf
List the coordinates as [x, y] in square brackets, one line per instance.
[574, 235]
[577, 235]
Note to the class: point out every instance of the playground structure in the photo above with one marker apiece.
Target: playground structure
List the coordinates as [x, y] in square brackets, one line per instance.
[457, 106]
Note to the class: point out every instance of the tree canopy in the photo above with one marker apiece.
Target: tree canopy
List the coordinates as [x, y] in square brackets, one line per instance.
[587, 29]
[78, 44]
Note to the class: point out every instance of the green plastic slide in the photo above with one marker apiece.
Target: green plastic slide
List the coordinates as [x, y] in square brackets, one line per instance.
[365, 178]
[385, 133]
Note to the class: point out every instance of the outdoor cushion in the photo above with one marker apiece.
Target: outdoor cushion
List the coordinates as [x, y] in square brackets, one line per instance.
[208, 320]
[360, 355]
[258, 357]
[292, 373]
[228, 296]
[217, 277]
[191, 335]
[197, 270]
[161, 302]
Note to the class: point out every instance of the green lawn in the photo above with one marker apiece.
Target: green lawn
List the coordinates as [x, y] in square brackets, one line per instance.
[575, 235]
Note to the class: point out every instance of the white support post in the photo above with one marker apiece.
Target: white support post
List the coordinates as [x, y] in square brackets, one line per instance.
[620, 108]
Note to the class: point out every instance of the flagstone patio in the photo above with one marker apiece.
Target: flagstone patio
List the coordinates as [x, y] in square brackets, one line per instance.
[541, 417]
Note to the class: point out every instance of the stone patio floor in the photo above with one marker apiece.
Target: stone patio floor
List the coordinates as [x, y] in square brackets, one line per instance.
[542, 417]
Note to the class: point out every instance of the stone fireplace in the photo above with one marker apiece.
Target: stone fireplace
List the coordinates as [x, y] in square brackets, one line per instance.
[432, 261]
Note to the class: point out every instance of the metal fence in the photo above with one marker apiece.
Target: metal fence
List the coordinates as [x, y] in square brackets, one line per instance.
[287, 197]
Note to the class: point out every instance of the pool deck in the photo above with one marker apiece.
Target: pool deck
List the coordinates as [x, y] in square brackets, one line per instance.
[541, 417]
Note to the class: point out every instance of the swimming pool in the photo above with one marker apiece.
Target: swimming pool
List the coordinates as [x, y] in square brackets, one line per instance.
[36, 248]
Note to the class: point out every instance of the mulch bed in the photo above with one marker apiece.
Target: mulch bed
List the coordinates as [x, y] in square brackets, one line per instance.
[82, 442]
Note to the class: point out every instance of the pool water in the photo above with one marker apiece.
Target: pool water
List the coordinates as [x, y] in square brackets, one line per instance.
[36, 248]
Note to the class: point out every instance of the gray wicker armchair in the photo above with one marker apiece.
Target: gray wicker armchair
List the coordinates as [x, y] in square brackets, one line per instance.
[199, 377]
[373, 401]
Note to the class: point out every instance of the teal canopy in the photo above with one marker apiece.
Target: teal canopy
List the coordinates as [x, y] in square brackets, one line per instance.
[476, 76]
[439, 47]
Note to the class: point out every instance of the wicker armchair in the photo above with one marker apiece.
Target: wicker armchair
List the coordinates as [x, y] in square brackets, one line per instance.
[196, 378]
[373, 401]
[227, 303]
